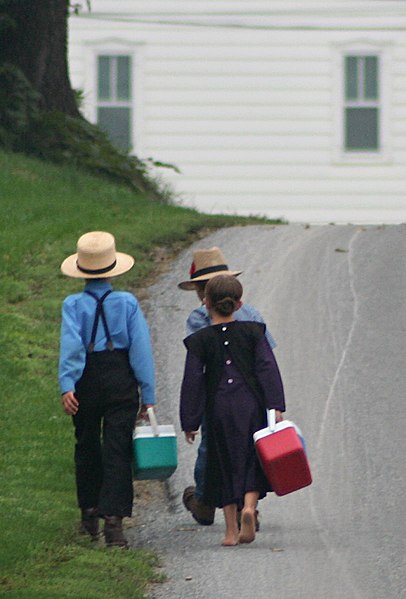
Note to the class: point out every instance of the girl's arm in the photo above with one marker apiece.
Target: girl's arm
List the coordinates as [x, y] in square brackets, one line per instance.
[190, 436]
[192, 396]
[269, 377]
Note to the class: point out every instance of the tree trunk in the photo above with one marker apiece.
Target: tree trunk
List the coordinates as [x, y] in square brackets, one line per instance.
[36, 42]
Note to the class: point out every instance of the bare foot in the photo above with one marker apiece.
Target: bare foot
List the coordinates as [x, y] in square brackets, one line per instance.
[230, 541]
[247, 533]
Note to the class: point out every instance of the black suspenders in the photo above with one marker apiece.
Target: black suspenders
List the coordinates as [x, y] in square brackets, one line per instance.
[99, 313]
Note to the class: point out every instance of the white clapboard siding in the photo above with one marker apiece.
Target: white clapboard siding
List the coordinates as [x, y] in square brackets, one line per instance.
[273, 67]
[233, 127]
[255, 202]
[251, 97]
[244, 142]
[249, 113]
[237, 7]
[195, 49]
[216, 114]
[372, 209]
[184, 157]
[226, 83]
[284, 172]
[289, 186]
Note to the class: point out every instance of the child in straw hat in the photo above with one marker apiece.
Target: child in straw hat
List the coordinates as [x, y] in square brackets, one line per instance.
[230, 378]
[208, 263]
[105, 360]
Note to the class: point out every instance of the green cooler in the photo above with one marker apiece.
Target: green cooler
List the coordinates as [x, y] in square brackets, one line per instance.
[155, 450]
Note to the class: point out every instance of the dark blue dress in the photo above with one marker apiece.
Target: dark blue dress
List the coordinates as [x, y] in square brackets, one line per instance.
[236, 409]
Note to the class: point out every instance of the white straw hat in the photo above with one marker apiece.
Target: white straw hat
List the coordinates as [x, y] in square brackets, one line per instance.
[206, 265]
[96, 258]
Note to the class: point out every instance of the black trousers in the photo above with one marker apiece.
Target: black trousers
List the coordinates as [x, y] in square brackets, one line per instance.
[108, 404]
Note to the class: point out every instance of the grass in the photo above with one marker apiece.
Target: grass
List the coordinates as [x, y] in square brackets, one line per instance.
[44, 209]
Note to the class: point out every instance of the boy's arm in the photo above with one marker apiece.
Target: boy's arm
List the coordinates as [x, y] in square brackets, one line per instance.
[72, 356]
[198, 319]
[248, 312]
[140, 354]
[70, 403]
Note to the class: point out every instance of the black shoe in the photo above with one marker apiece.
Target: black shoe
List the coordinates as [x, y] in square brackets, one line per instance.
[90, 523]
[202, 513]
[113, 532]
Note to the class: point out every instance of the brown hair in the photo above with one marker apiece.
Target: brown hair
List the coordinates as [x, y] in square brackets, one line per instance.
[224, 293]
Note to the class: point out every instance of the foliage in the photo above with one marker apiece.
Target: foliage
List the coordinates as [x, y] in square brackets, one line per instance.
[57, 137]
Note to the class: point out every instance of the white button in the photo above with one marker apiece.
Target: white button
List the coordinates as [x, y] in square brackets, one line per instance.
[230, 381]
[226, 342]
[228, 362]
[224, 328]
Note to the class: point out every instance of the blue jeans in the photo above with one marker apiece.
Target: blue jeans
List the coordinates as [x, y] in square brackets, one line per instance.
[201, 460]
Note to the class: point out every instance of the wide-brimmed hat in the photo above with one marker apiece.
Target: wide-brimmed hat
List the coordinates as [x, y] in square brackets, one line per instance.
[206, 265]
[96, 258]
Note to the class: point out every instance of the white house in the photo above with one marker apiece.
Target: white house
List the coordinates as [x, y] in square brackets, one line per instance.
[285, 108]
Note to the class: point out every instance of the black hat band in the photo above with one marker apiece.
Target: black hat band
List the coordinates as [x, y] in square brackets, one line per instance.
[97, 271]
[208, 270]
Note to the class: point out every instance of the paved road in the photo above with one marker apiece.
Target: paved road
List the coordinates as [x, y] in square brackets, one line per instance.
[334, 299]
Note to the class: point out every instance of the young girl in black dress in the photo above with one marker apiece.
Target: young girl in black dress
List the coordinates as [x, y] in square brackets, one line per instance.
[232, 377]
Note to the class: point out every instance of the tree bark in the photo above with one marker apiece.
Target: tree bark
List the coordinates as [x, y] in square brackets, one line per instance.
[36, 42]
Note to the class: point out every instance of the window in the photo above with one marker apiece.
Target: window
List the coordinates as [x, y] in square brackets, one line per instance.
[362, 89]
[114, 98]
[362, 110]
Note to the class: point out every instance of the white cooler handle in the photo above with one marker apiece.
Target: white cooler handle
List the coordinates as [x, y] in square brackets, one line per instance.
[153, 421]
[271, 414]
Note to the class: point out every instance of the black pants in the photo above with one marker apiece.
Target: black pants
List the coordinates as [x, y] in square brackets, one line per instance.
[108, 404]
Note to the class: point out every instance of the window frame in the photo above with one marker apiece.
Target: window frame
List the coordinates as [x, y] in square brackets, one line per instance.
[112, 48]
[113, 101]
[383, 154]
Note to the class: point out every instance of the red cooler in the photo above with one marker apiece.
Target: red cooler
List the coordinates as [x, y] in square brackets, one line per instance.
[280, 449]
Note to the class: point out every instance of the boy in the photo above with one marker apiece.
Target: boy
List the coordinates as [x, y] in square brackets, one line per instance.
[105, 359]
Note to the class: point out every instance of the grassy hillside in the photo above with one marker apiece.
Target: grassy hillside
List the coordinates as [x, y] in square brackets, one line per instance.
[44, 209]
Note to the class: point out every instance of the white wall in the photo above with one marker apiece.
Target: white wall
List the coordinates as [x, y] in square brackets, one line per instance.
[250, 115]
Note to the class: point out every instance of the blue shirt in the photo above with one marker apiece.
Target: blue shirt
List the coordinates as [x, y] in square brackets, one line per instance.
[128, 329]
[199, 319]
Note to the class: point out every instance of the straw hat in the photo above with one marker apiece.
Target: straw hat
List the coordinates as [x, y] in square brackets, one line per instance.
[206, 265]
[96, 258]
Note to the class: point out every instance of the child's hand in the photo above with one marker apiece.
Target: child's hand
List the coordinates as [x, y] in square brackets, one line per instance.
[70, 403]
[190, 436]
[278, 416]
[143, 411]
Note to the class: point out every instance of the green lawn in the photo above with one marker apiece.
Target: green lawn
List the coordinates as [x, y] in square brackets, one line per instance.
[44, 209]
